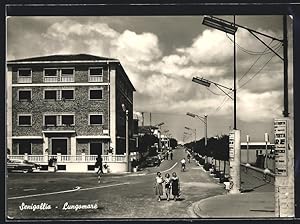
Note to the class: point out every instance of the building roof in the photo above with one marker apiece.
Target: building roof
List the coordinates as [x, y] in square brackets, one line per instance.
[69, 58]
[146, 129]
[64, 57]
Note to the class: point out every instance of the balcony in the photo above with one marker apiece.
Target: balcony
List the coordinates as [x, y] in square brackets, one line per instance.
[63, 78]
[59, 128]
[24, 79]
[69, 158]
[95, 78]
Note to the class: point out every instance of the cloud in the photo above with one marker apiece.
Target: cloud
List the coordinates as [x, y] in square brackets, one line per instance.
[258, 106]
[133, 47]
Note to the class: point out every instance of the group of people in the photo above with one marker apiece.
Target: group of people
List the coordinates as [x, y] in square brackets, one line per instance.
[167, 154]
[169, 184]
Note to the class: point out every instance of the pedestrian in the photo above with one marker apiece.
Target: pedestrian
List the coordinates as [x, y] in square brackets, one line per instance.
[188, 157]
[183, 162]
[175, 186]
[168, 185]
[171, 155]
[98, 165]
[158, 185]
[167, 155]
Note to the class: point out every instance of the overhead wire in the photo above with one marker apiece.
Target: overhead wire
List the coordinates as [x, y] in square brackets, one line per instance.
[258, 72]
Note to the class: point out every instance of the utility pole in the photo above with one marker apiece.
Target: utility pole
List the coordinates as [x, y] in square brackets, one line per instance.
[150, 119]
[143, 118]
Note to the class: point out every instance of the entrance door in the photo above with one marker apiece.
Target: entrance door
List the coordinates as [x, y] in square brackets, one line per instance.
[59, 146]
[95, 148]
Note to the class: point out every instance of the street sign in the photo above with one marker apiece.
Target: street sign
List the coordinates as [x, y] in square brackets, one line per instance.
[280, 131]
[231, 144]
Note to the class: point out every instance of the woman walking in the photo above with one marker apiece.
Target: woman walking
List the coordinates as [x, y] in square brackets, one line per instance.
[168, 186]
[158, 185]
[175, 186]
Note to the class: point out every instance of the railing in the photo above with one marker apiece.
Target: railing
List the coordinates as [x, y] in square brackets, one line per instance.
[69, 158]
[50, 79]
[63, 78]
[67, 78]
[25, 79]
[95, 78]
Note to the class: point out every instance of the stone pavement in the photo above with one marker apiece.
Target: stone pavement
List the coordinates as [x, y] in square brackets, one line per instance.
[254, 204]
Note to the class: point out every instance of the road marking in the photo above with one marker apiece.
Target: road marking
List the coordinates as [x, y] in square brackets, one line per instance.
[164, 170]
[67, 191]
[30, 189]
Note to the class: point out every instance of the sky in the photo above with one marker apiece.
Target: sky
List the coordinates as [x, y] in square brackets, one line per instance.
[161, 55]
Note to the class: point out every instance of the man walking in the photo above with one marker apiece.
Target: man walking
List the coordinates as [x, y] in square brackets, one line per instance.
[171, 155]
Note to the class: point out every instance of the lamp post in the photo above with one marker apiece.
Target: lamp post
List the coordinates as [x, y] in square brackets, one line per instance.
[159, 134]
[231, 28]
[204, 120]
[126, 138]
[195, 131]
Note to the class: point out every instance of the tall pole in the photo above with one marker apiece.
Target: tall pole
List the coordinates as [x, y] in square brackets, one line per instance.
[127, 142]
[234, 78]
[143, 119]
[248, 139]
[205, 129]
[285, 68]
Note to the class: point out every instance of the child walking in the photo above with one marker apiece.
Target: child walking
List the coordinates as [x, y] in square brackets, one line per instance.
[159, 185]
[175, 186]
[168, 186]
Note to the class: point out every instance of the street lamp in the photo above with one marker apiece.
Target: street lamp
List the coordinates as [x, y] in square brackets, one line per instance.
[231, 28]
[159, 133]
[194, 130]
[126, 137]
[204, 120]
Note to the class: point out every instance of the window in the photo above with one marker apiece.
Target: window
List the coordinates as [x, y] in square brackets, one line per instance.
[24, 75]
[51, 72]
[24, 95]
[96, 71]
[67, 71]
[24, 120]
[95, 74]
[25, 72]
[67, 94]
[96, 119]
[67, 119]
[96, 94]
[59, 120]
[50, 94]
[59, 75]
[50, 120]
[25, 147]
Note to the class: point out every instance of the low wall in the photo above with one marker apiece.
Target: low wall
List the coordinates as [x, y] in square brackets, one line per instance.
[257, 172]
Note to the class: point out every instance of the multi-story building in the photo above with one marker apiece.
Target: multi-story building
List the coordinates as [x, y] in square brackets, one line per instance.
[68, 107]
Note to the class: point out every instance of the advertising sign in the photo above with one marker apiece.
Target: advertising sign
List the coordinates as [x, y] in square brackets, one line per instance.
[231, 144]
[280, 131]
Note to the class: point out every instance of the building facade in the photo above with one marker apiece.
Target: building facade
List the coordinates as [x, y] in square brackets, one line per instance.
[68, 107]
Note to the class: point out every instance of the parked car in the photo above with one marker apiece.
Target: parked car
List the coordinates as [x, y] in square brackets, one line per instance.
[152, 161]
[21, 165]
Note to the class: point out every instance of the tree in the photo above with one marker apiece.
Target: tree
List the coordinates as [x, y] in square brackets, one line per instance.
[173, 142]
[146, 141]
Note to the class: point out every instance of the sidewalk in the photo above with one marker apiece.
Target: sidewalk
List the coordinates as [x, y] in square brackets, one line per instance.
[254, 204]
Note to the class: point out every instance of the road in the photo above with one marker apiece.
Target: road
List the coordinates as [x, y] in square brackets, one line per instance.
[117, 196]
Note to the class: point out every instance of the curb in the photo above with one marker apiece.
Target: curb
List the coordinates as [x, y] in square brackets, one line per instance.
[197, 209]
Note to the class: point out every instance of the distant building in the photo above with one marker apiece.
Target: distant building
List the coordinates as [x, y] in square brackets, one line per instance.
[255, 149]
[68, 107]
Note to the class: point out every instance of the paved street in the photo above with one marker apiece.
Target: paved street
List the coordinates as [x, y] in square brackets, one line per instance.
[117, 196]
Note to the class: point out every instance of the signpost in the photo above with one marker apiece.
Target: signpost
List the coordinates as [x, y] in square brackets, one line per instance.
[235, 160]
[284, 168]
